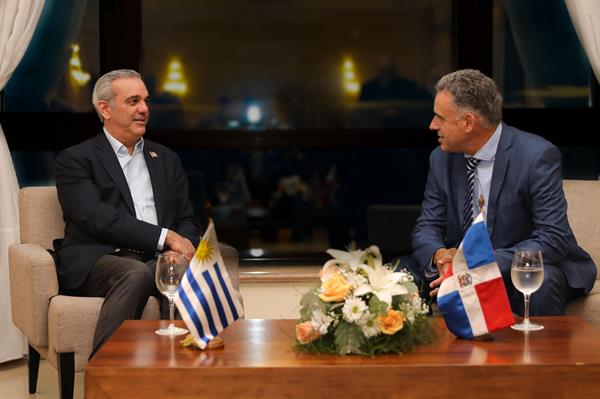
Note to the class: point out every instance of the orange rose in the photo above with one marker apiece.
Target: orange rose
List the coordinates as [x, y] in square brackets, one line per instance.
[305, 332]
[334, 288]
[392, 322]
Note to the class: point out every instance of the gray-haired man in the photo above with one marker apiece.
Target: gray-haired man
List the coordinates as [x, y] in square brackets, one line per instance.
[124, 198]
[516, 180]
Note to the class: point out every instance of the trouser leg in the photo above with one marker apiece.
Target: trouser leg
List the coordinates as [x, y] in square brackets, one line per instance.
[549, 300]
[126, 284]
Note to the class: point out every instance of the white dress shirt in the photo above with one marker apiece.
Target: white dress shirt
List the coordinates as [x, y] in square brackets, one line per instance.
[485, 168]
[138, 179]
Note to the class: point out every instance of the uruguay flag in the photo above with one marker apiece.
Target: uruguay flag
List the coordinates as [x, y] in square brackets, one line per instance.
[206, 300]
[472, 298]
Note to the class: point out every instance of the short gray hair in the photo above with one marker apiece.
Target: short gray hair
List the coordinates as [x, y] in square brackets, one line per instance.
[103, 87]
[474, 91]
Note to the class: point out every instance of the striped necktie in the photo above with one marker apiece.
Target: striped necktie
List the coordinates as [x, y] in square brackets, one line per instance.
[471, 164]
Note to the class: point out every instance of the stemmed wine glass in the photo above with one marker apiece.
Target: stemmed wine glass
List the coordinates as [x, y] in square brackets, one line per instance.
[527, 275]
[170, 268]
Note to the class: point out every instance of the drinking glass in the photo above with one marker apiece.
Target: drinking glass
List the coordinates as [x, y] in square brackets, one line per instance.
[527, 275]
[170, 269]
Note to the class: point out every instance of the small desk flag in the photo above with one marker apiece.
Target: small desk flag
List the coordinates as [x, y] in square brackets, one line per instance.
[472, 298]
[206, 300]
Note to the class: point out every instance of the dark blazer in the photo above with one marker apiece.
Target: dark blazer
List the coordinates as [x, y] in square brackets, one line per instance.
[98, 208]
[526, 207]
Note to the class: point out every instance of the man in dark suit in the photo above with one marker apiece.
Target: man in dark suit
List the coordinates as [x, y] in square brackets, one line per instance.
[517, 183]
[124, 199]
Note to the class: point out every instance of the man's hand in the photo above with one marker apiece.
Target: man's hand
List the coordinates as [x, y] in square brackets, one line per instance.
[177, 243]
[443, 260]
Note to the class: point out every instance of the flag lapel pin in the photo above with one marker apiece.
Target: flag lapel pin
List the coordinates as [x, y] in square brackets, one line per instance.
[153, 154]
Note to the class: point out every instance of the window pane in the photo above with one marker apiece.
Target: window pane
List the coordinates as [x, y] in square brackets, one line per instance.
[61, 63]
[294, 64]
[299, 202]
[34, 168]
[538, 61]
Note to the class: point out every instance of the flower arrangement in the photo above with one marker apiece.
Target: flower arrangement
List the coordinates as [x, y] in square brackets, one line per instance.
[362, 307]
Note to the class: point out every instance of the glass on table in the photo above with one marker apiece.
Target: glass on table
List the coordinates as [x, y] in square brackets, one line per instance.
[527, 275]
[170, 268]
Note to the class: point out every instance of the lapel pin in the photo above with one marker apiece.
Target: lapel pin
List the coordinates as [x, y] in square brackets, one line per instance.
[153, 154]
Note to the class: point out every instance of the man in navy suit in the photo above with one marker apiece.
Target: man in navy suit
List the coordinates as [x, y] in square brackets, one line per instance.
[517, 183]
[124, 199]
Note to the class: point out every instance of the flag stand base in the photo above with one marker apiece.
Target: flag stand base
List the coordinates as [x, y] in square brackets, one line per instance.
[216, 343]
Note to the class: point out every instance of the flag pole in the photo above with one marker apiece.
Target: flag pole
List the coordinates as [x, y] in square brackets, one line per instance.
[216, 342]
[208, 212]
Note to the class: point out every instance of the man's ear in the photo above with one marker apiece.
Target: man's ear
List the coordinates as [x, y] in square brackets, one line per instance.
[104, 109]
[470, 119]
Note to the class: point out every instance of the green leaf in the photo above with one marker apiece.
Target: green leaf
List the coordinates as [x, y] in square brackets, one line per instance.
[310, 298]
[376, 306]
[309, 303]
[411, 287]
[305, 314]
[348, 338]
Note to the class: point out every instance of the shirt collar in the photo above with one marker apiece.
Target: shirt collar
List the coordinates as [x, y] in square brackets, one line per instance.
[118, 147]
[488, 151]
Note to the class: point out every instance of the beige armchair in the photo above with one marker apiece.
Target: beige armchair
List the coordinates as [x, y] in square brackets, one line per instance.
[59, 328]
[583, 200]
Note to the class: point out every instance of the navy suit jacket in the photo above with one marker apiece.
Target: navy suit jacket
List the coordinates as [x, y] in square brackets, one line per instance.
[526, 206]
[98, 208]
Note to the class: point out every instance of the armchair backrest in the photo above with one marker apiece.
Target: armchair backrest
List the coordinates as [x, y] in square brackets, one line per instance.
[583, 211]
[40, 216]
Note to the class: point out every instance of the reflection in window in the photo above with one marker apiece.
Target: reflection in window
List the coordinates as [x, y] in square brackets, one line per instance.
[538, 61]
[305, 201]
[61, 64]
[295, 64]
[34, 168]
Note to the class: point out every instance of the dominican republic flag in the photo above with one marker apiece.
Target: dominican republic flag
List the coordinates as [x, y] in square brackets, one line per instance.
[206, 300]
[472, 298]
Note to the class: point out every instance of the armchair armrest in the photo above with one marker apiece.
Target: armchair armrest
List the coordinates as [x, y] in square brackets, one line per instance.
[232, 262]
[72, 323]
[33, 282]
[71, 326]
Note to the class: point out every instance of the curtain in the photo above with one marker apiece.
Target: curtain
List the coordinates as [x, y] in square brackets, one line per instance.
[585, 15]
[30, 87]
[18, 19]
[541, 29]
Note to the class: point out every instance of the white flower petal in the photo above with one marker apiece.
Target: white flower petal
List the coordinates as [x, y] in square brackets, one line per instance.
[353, 309]
[398, 290]
[384, 296]
[372, 252]
[337, 254]
[330, 267]
[362, 290]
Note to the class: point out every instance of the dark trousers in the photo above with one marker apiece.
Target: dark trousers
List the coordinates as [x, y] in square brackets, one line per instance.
[549, 300]
[126, 283]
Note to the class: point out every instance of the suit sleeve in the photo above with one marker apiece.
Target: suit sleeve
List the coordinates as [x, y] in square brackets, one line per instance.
[551, 232]
[429, 231]
[83, 206]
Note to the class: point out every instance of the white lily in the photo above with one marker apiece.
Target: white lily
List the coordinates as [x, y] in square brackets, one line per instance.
[383, 283]
[330, 267]
[357, 257]
[351, 258]
[371, 255]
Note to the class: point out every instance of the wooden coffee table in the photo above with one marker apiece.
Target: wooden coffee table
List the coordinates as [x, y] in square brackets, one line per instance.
[259, 361]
